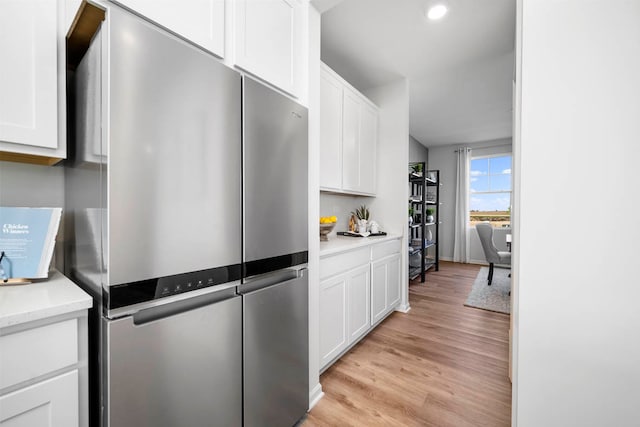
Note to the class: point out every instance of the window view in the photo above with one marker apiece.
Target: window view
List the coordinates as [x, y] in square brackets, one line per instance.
[490, 190]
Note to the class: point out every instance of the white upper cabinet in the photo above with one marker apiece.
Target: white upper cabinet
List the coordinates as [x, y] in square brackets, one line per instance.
[71, 8]
[268, 40]
[261, 37]
[350, 141]
[32, 81]
[331, 132]
[200, 21]
[368, 148]
[348, 137]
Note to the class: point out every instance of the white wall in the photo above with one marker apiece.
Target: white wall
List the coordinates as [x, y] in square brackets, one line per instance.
[390, 205]
[417, 151]
[26, 185]
[578, 320]
[313, 37]
[341, 205]
[443, 158]
[29, 185]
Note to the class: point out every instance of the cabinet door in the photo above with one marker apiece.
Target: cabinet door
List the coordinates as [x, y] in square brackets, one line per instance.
[29, 75]
[267, 40]
[350, 141]
[385, 286]
[393, 282]
[330, 132]
[368, 148]
[333, 318]
[200, 21]
[378, 289]
[53, 403]
[358, 302]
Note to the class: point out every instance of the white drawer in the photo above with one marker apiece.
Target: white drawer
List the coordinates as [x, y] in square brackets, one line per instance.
[53, 402]
[344, 261]
[28, 354]
[381, 250]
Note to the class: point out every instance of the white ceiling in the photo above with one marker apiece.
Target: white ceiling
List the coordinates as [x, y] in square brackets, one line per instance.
[459, 69]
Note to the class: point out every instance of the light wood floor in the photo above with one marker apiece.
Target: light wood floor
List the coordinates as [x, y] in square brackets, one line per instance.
[441, 364]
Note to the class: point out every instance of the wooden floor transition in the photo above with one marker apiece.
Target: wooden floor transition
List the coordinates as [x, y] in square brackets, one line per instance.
[441, 364]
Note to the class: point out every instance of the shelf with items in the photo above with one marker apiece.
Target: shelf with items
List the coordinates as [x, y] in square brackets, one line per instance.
[414, 272]
[424, 203]
[432, 258]
[430, 262]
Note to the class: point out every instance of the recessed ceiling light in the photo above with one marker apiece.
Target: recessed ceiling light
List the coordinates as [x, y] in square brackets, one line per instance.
[437, 11]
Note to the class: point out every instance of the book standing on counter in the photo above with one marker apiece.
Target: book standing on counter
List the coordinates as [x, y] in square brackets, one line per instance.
[27, 239]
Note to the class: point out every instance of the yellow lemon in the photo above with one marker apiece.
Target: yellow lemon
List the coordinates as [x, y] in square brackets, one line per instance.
[334, 218]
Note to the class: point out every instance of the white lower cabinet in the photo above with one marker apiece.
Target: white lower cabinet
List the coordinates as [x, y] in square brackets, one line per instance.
[385, 286]
[359, 285]
[344, 311]
[53, 403]
[333, 318]
[355, 293]
[43, 372]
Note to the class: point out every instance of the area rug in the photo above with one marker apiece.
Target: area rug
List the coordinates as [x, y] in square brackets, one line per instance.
[495, 297]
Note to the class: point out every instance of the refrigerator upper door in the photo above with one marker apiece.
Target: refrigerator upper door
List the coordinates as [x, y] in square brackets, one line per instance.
[275, 176]
[174, 155]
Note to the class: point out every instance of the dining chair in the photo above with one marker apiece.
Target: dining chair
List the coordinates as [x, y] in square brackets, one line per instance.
[491, 253]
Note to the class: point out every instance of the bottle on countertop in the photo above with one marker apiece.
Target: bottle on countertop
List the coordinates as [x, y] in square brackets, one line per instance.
[352, 224]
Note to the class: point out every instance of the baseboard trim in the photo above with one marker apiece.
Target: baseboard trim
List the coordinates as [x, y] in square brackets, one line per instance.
[403, 308]
[473, 261]
[315, 395]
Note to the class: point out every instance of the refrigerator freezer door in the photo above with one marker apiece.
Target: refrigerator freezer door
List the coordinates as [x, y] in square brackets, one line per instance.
[276, 354]
[275, 174]
[181, 370]
[174, 155]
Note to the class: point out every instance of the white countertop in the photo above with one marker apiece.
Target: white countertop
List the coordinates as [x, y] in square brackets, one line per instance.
[337, 244]
[41, 299]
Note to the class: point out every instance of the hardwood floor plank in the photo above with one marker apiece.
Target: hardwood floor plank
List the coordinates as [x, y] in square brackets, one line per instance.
[441, 364]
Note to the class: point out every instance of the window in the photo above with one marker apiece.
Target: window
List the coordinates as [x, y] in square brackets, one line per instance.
[490, 190]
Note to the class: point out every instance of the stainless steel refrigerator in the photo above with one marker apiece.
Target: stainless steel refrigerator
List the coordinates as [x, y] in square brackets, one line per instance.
[154, 224]
[275, 251]
[186, 219]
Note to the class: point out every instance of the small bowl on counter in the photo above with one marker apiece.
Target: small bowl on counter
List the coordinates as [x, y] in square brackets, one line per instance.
[325, 229]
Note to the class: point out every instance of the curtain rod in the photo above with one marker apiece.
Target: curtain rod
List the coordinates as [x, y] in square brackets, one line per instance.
[480, 148]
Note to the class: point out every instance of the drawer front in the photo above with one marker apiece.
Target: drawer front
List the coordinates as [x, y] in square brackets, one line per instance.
[335, 264]
[28, 354]
[382, 250]
[53, 403]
